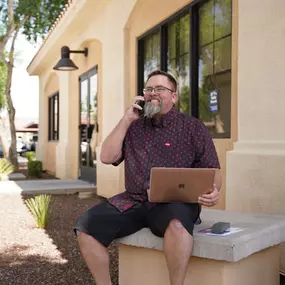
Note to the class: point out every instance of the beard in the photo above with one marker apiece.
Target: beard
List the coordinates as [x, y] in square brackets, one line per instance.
[151, 109]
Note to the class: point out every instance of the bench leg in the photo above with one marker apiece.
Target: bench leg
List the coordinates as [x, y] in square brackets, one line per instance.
[141, 266]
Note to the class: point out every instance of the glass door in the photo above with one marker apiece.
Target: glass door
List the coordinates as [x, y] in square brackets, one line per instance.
[88, 125]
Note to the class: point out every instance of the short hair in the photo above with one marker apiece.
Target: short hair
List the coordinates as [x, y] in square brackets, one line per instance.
[168, 75]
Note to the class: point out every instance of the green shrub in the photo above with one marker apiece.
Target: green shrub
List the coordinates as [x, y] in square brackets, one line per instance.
[30, 155]
[39, 207]
[6, 167]
[35, 168]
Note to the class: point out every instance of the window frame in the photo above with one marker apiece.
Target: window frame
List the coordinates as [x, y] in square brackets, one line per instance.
[52, 135]
[194, 49]
[86, 76]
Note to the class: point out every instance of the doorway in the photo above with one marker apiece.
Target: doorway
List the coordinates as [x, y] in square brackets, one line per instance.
[88, 125]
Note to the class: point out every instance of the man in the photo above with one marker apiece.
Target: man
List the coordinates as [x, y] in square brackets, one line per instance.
[163, 137]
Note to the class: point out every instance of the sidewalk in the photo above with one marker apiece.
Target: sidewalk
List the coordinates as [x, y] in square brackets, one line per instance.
[49, 186]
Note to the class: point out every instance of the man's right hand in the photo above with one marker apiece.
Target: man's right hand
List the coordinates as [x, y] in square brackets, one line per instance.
[132, 113]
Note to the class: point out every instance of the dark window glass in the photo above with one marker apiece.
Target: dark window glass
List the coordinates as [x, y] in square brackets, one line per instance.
[215, 66]
[178, 59]
[151, 54]
[223, 18]
[206, 31]
[89, 117]
[53, 114]
[200, 44]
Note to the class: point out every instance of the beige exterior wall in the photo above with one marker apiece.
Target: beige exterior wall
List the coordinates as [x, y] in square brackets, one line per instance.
[50, 158]
[91, 26]
[255, 167]
[84, 64]
[49, 161]
[114, 49]
[150, 265]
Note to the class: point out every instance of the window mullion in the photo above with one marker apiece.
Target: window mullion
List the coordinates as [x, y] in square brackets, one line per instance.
[140, 67]
[49, 119]
[214, 27]
[57, 116]
[163, 47]
[194, 60]
[53, 118]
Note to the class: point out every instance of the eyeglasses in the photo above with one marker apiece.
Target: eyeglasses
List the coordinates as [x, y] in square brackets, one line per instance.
[157, 90]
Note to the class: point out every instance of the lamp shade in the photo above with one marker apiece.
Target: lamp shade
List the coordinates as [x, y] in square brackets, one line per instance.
[65, 63]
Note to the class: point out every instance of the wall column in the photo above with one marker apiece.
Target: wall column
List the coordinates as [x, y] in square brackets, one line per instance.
[109, 178]
[256, 166]
[64, 147]
[42, 124]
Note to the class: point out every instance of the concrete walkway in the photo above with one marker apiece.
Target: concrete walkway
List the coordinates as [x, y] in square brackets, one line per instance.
[50, 186]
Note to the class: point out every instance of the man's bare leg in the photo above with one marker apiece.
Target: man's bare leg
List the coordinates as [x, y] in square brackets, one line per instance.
[96, 257]
[177, 249]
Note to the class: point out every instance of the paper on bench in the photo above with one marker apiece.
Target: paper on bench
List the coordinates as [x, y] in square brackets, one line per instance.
[226, 233]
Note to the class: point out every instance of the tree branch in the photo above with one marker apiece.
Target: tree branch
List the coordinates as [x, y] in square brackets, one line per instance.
[11, 24]
[14, 28]
[10, 12]
[10, 29]
[12, 49]
[2, 58]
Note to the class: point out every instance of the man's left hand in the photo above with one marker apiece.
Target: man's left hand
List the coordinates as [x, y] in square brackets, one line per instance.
[210, 199]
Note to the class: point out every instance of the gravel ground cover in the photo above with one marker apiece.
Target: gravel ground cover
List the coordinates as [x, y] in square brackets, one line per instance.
[35, 256]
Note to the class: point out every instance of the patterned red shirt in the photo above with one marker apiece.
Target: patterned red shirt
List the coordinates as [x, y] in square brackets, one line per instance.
[177, 141]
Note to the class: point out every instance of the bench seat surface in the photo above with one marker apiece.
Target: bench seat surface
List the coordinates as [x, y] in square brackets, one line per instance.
[259, 231]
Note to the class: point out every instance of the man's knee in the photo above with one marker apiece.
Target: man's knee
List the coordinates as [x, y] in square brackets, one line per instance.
[80, 234]
[175, 226]
[82, 237]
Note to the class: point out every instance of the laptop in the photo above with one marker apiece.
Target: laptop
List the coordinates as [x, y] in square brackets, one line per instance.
[180, 184]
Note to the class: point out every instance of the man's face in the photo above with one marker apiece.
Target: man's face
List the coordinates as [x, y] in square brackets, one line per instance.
[159, 102]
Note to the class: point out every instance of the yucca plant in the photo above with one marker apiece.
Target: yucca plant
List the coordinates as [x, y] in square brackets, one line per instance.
[39, 207]
[6, 167]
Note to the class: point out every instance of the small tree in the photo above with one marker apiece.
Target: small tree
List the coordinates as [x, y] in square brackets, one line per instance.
[3, 79]
[33, 18]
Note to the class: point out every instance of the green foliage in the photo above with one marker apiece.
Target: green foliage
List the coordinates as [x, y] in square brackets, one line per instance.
[39, 207]
[6, 167]
[30, 155]
[40, 15]
[184, 99]
[35, 168]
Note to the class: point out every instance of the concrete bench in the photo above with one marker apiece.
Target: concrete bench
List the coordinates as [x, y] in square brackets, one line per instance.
[248, 257]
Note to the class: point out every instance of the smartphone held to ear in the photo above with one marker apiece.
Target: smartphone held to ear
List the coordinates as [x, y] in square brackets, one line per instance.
[141, 103]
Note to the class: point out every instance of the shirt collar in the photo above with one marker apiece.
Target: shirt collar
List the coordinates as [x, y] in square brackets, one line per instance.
[165, 119]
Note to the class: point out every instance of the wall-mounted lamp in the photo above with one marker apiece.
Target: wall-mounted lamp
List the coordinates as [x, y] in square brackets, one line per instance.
[65, 63]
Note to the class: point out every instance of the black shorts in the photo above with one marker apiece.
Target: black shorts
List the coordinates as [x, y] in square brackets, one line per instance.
[105, 222]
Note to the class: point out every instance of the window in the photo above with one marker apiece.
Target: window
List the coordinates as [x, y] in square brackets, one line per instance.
[215, 66]
[88, 119]
[195, 46]
[53, 117]
[178, 59]
[151, 53]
